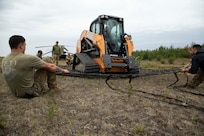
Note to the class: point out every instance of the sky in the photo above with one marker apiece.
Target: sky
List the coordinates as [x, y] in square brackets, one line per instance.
[151, 23]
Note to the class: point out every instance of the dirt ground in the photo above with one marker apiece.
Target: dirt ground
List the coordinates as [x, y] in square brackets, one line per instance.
[89, 107]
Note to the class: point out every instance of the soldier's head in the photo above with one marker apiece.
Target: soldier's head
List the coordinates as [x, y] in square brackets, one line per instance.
[17, 42]
[39, 54]
[57, 42]
[195, 48]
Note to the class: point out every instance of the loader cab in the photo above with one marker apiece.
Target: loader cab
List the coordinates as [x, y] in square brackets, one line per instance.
[112, 30]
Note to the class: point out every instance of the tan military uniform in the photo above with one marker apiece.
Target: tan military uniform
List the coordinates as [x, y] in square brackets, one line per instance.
[69, 59]
[42, 77]
[56, 51]
[23, 76]
[197, 79]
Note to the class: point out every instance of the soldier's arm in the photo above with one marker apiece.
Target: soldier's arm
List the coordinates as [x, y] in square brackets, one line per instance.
[186, 48]
[53, 68]
[194, 67]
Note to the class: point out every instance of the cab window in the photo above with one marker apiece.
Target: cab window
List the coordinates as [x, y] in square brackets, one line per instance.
[95, 28]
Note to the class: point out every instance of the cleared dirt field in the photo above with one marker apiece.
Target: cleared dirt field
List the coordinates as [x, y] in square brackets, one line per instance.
[89, 107]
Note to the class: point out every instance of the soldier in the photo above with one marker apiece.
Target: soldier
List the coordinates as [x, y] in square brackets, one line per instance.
[69, 59]
[26, 75]
[56, 51]
[197, 66]
[39, 54]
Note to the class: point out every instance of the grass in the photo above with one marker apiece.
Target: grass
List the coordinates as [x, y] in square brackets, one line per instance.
[52, 111]
[89, 107]
[130, 90]
[51, 93]
[2, 124]
[162, 63]
[140, 128]
[52, 105]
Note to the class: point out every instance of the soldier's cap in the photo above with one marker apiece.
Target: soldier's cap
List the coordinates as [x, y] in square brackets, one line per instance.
[196, 46]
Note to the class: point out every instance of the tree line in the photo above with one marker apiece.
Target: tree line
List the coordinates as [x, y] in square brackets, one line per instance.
[161, 53]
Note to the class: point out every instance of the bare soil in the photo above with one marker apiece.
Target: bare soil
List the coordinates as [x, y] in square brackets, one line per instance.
[88, 107]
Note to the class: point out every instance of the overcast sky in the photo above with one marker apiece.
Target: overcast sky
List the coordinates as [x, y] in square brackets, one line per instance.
[150, 22]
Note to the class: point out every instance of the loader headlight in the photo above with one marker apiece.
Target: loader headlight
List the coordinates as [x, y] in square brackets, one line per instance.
[104, 16]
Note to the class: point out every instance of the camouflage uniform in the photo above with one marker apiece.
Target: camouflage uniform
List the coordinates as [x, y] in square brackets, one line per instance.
[69, 59]
[42, 77]
[197, 79]
[56, 51]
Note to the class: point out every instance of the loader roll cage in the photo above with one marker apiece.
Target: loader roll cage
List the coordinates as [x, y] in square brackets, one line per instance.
[113, 31]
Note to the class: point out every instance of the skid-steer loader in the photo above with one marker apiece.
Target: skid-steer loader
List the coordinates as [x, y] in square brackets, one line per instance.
[105, 48]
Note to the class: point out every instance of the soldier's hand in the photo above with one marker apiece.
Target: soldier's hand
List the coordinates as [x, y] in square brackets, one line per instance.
[184, 69]
[65, 71]
[186, 47]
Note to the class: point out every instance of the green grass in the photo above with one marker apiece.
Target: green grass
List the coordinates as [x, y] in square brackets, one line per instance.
[140, 128]
[2, 124]
[163, 63]
[52, 111]
[162, 52]
[130, 90]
